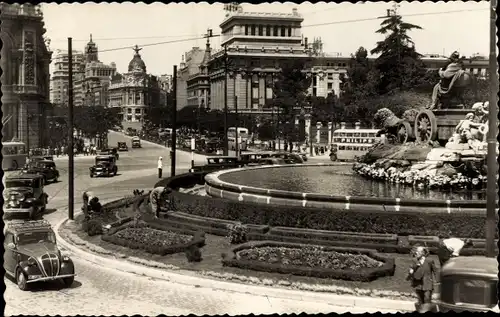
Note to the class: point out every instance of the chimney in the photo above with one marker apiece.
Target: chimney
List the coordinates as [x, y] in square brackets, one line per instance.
[342, 125]
[357, 125]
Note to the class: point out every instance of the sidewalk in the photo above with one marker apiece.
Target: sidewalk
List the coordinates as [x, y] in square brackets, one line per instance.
[191, 278]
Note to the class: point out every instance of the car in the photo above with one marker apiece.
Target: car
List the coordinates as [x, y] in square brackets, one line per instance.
[290, 158]
[110, 151]
[45, 168]
[215, 163]
[252, 158]
[271, 161]
[105, 165]
[37, 158]
[469, 284]
[31, 254]
[122, 146]
[136, 142]
[24, 195]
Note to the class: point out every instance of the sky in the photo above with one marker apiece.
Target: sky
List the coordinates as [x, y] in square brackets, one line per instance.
[123, 25]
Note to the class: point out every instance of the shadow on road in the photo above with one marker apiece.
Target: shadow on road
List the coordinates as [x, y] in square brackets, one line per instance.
[56, 285]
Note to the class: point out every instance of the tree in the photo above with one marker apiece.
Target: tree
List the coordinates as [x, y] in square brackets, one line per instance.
[399, 63]
[95, 120]
[290, 91]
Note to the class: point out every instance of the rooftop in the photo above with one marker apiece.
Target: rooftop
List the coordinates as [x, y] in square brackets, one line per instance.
[240, 14]
[24, 226]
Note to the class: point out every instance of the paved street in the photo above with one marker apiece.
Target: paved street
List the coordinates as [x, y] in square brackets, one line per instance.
[100, 290]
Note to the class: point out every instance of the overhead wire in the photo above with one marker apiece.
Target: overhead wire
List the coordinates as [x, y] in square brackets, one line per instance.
[199, 37]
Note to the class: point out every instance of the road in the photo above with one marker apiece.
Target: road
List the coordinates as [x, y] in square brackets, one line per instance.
[100, 290]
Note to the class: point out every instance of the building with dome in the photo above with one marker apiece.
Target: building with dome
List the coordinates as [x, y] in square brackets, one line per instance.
[134, 92]
[91, 85]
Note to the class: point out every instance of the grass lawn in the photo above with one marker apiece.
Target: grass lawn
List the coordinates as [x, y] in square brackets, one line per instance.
[216, 245]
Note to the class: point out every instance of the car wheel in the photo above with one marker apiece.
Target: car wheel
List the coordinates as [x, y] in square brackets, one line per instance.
[56, 180]
[21, 280]
[91, 175]
[68, 281]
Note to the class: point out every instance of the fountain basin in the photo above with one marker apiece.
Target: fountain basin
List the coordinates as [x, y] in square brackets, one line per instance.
[243, 185]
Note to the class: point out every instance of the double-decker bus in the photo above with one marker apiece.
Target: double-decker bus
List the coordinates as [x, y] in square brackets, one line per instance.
[242, 136]
[14, 155]
[348, 144]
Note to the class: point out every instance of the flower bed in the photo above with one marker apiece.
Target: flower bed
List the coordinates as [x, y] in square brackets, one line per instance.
[316, 261]
[155, 239]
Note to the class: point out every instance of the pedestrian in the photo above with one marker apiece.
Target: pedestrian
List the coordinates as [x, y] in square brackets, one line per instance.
[451, 248]
[86, 197]
[423, 274]
[156, 197]
[160, 166]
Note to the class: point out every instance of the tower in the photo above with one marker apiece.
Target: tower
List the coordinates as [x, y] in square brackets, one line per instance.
[91, 51]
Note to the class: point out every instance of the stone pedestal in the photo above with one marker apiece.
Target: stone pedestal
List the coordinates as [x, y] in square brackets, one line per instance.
[318, 132]
[330, 132]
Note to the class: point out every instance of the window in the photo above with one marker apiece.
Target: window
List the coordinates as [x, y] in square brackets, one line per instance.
[137, 111]
[246, 29]
[253, 29]
[129, 110]
[268, 30]
[275, 33]
[261, 30]
[283, 31]
[330, 86]
[289, 31]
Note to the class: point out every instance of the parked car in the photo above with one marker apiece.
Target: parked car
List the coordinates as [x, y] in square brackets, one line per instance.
[24, 196]
[122, 146]
[136, 142]
[105, 165]
[110, 151]
[290, 158]
[31, 254]
[215, 163]
[41, 158]
[45, 168]
[271, 161]
[469, 284]
[252, 158]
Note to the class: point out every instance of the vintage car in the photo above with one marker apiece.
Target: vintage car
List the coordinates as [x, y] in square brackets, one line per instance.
[105, 165]
[31, 254]
[303, 155]
[110, 151]
[122, 146]
[136, 142]
[271, 161]
[469, 284]
[215, 163]
[45, 168]
[37, 158]
[24, 196]
[252, 158]
[290, 158]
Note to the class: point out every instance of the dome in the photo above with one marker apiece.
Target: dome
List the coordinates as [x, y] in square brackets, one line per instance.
[137, 64]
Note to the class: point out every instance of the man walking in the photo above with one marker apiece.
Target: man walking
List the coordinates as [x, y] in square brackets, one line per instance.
[160, 166]
[423, 274]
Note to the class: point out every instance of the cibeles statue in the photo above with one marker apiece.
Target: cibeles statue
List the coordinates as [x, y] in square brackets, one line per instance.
[453, 80]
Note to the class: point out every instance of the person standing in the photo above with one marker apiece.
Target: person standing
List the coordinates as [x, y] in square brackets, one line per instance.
[423, 274]
[160, 166]
[451, 248]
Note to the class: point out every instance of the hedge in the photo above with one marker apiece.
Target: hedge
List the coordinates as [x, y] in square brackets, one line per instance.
[198, 240]
[363, 275]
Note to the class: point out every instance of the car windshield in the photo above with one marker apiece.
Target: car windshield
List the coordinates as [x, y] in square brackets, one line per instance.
[103, 161]
[35, 237]
[18, 183]
[47, 165]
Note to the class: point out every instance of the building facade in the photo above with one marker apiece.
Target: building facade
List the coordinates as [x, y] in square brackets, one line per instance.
[93, 80]
[60, 72]
[26, 76]
[198, 84]
[134, 92]
[189, 66]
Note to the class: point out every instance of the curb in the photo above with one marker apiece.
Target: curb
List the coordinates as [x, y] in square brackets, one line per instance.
[332, 299]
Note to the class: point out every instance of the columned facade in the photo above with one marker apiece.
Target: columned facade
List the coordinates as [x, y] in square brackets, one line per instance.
[26, 79]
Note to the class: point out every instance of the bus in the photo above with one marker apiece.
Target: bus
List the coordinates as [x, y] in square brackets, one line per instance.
[242, 136]
[348, 144]
[14, 155]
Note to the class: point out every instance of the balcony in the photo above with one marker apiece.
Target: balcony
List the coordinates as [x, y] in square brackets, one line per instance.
[27, 10]
[26, 89]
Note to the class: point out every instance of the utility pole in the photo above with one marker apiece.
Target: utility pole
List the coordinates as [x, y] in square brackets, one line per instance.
[492, 194]
[226, 69]
[174, 124]
[237, 147]
[71, 162]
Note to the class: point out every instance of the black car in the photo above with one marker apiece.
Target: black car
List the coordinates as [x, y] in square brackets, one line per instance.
[105, 165]
[122, 146]
[110, 151]
[215, 163]
[24, 196]
[46, 168]
[31, 254]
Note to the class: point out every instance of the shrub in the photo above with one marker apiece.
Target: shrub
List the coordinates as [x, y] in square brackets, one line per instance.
[237, 233]
[193, 253]
[298, 259]
[93, 227]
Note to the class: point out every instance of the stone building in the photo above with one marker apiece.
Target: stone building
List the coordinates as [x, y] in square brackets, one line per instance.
[59, 79]
[25, 80]
[134, 92]
[92, 83]
[189, 66]
[198, 84]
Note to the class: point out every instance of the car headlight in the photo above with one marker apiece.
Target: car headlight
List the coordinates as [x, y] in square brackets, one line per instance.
[31, 261]
[65, 258]
[191, 170]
